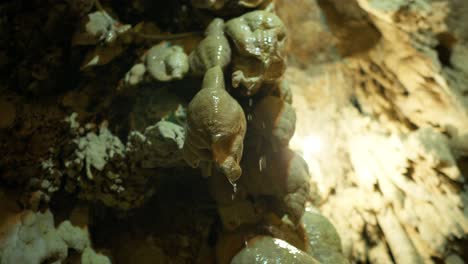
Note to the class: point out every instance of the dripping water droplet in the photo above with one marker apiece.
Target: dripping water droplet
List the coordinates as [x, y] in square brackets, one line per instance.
[234, 190]
[262, 163]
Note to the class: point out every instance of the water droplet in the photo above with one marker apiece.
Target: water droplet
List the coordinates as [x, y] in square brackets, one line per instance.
[262, 163]
[250, 102]
[234, 190]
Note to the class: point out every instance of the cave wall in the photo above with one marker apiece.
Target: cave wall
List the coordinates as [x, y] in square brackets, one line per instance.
[152, 132]
[91, 135]
[388, 108]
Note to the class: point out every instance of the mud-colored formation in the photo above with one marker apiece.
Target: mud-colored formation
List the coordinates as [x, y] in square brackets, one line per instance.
[215, 128]
[259, 39]
[213, 50]
[167, 132]
[151, 132]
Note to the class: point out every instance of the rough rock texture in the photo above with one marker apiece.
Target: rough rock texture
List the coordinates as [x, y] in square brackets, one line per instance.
[259, 38]
[166, 63]
[389, 123]
[378, 128]
[123, 170]
[104, 119]
[28, 237]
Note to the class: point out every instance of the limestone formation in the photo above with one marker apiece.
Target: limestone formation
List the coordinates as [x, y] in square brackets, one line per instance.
[215, 128]
[166, 63]
[28, 237]
[391, 114]
[113, 114]
[213, 50]
[259, 38]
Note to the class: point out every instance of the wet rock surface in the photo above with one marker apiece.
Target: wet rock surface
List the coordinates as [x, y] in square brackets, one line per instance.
[173, 132]
[125, 131]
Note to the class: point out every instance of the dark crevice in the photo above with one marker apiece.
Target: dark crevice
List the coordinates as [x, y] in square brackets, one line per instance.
[355, 102]
[462, 164]
[444, 48]
[356, 34]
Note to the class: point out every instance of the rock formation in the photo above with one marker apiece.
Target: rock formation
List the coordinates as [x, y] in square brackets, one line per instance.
[387, 144]
[109, 131]
[167, 131]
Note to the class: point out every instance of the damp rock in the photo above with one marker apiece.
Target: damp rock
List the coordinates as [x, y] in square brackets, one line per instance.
[323, 241]
[99, 27]
[75, 237]
[274, 121]
[259, 40]
[215, 127]
[31, 238]
[166, 62]
[135, 75]
[89, 256]
[283, 175]
[213, 50]
[94, 150]
[265, 249]
[227, 6]
[283, 91]
[159, 146]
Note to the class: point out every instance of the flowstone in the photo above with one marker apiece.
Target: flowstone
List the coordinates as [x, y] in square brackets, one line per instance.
[150, 140]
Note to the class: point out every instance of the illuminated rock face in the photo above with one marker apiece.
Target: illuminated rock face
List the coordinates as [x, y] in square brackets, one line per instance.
[386, 125]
